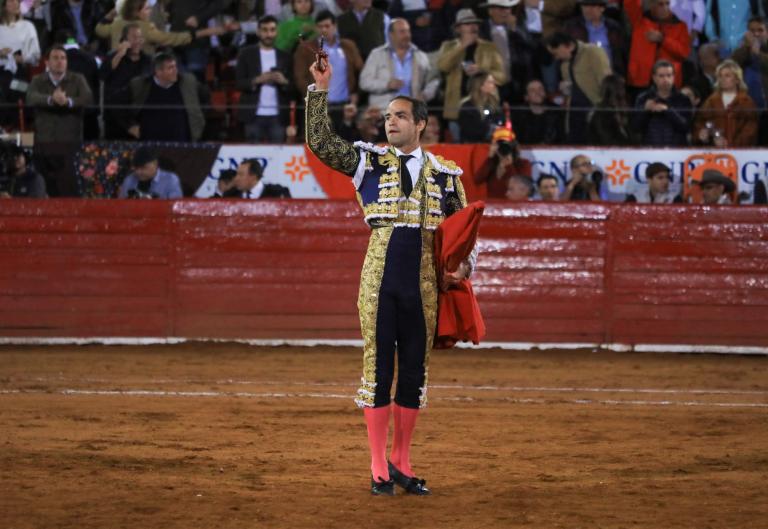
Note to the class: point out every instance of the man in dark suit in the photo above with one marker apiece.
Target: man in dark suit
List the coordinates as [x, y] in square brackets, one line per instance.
[248, 183]
[84, 63]
[263, 76]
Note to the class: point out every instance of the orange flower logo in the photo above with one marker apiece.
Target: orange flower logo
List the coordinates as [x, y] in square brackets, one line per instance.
[297, 167]
[619, 172]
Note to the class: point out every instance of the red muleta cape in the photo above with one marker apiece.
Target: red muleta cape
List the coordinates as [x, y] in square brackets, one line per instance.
[458, 314]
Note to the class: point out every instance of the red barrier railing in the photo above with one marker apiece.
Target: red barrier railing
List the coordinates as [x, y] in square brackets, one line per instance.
[577, 273]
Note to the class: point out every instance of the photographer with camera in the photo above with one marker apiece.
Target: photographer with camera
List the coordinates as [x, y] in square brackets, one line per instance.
[147, 179]
[585, 180]
[503, 162]
[17, 178]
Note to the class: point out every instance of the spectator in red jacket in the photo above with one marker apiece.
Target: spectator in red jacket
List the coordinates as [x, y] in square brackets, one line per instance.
[656, 34]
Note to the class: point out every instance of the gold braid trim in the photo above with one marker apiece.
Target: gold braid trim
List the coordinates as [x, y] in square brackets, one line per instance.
[368, 307]
[329, 147]
[428, 287]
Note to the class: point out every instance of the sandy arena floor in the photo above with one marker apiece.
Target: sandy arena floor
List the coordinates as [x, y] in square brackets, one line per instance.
[231, 436]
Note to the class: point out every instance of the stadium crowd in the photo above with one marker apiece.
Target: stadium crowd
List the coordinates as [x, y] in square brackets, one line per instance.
[548, 72]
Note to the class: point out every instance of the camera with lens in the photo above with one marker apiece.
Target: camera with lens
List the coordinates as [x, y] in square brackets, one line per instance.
[142, 191]
[596, 177]
[505, 148]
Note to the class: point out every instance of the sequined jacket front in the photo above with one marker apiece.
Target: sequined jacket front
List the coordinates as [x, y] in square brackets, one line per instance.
[438, 191]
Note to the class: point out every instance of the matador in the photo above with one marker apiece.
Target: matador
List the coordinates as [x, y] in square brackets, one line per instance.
[405, 192]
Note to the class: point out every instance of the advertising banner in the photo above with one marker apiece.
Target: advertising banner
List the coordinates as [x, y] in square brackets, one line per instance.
[623, 169]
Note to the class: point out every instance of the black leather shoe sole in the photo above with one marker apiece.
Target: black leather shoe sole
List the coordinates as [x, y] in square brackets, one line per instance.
[413, 485]
[382, 488]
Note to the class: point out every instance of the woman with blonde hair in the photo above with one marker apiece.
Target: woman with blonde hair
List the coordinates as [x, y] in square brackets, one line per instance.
[138, 12]
[480, 111]
[729, 117]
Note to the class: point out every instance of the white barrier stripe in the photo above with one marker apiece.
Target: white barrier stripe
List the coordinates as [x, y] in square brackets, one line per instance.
[545, 389]
[515, 346]
[217, 394]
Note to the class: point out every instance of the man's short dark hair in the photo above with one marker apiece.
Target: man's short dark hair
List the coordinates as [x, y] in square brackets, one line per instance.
[661, 63]
[266, 19]
[546, 176]
[143, 155]
[127, 29]
[757, 18]
[325, 15]
[419, 110]
[53, 48]
[254, 167]
[656, 168]
[558, 39]
[160, 58]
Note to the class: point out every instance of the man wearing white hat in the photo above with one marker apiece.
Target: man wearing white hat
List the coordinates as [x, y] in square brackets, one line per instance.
[462, 57]
[514, 44]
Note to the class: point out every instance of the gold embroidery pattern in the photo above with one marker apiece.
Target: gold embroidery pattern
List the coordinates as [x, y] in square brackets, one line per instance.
[368, 307]
[428, 286]
[330, 148]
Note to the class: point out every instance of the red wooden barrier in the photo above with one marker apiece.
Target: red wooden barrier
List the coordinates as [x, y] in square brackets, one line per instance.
[584, 273]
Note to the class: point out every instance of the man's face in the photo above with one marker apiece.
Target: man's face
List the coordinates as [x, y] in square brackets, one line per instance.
[660, 9]
[517, 190]
[20, 163]
[400, 36]
[758, 31]
[582, 165]
[499, 15]
[592, 13]
[712, 192]
[327, 29]
[709, 56]
[167, 72]
[135, 38]
[562, 52]
[468, 30]
[549, 190]
[57, 62]
[535, 93]
[664, 78]
[659, 183]
[244, 180]
[267, 34]
[399, 125]
[147, 171]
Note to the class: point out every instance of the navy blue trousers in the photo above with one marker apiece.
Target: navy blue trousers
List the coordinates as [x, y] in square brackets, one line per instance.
[400, 325]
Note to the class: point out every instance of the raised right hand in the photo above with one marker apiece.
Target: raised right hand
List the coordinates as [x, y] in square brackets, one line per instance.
[322, 79]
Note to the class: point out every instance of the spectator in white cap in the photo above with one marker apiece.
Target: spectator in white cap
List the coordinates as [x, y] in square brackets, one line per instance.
[461, 58]
[514, 44]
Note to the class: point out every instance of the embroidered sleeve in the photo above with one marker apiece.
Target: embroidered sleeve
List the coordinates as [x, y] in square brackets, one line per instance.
[456, 200]
[330, 148]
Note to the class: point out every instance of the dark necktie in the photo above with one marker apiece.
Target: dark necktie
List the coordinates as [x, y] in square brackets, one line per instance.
[405, 175]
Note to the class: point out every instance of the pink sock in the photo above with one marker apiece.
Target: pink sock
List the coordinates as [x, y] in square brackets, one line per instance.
[405, 423]
[377, 420]
[397, 442]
